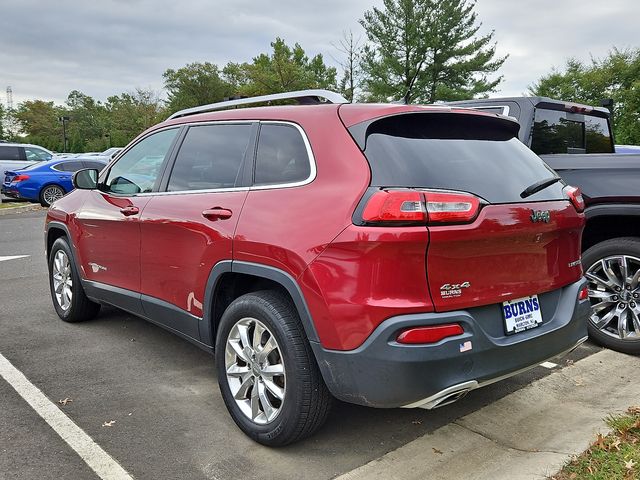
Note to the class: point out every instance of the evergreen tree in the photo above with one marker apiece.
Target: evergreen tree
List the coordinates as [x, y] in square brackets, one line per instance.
[427, 50]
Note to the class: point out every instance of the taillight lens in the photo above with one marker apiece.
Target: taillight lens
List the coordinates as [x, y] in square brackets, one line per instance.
[20, 178]
[406, 207]
[575, 196]
[444, 207]
[395, 206]
[430, 334]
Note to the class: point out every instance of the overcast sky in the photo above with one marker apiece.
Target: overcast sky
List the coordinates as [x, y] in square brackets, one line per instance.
[48, 48]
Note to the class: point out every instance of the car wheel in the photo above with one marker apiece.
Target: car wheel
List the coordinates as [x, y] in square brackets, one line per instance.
[612, 268]
[69, 299]
[50, 194]
[267, 373]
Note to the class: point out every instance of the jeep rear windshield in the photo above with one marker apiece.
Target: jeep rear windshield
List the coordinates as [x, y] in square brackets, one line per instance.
[465, 152]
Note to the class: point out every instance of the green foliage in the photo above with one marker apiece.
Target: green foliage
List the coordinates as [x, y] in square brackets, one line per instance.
[616, 76]
[427, 50]
[129, 114]
[195, 84]
[2, 116]
[39, 119]
[284, 69]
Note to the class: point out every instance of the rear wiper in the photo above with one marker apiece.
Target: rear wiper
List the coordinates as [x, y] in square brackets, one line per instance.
[541, 185]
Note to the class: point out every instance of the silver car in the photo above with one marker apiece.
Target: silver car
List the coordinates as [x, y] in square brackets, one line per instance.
[19, 155]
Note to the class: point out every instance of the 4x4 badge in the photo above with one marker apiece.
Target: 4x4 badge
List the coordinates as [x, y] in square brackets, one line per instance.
[540, 216]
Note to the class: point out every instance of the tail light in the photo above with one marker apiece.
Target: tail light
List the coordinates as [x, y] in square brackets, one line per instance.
[575, 197]
[430, 334]
[20, 178]
[410, 207]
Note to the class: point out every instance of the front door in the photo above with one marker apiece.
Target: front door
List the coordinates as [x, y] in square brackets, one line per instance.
[109, 219]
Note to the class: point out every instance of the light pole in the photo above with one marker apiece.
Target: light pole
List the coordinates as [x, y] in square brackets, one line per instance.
[64, 121]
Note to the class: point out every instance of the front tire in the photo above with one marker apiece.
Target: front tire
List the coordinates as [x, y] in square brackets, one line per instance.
[50, 194]
[612, 268]
[69, 299]
[267, 373]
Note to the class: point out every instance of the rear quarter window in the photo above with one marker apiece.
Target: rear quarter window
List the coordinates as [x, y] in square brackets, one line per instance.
[10, 153]
[463, 152]
[282, 156]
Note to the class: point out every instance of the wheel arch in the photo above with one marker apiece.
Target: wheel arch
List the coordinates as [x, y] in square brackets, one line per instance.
[605, 222]
[229, 280]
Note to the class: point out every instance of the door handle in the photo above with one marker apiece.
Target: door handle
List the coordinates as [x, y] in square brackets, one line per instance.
[217, 213]
[128, 211]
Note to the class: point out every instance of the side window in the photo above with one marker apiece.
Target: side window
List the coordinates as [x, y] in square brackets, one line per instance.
[36, 154]
[554, 133]
[68, 166]
[97, 165]
[282, 156]
[597, 133]
[10, 153]
[211, 156]
[137, 170]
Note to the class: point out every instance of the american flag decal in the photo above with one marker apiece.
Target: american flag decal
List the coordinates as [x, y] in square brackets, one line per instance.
[466, 346]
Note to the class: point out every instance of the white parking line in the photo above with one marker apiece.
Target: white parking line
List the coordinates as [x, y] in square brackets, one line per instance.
[12, 257]
[548, 365]
[95, 457]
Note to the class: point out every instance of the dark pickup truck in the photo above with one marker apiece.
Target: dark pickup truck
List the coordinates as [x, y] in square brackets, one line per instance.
[576, 141]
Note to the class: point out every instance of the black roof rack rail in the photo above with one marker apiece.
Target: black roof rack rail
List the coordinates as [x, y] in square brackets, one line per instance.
[304, 97]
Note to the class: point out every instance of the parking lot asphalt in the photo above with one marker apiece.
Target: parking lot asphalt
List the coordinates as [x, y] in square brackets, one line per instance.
[161, 393]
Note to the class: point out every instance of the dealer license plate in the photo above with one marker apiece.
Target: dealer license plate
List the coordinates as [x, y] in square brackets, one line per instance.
[521, 314]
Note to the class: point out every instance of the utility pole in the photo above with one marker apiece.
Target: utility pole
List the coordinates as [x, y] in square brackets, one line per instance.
[64, 121]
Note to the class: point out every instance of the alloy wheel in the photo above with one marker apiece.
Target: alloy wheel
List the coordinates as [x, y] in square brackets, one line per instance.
[51, 194]
[614, 292]
[62, 281]
[255, 370]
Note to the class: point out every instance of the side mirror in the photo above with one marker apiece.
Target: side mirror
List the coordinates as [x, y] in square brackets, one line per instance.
[86, 179]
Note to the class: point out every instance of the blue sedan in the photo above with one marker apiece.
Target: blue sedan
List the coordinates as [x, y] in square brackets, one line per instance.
[46, 182]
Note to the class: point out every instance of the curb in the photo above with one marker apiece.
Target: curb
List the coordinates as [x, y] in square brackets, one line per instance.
[30, 207]
[529, 434]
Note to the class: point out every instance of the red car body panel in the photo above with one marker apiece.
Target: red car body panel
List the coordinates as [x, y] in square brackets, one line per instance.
[180, 245]
[109, 241]
[365, 276]
[503, 255]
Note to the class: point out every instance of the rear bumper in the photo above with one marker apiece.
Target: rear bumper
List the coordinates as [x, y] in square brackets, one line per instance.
[10, 192]
[384, 373]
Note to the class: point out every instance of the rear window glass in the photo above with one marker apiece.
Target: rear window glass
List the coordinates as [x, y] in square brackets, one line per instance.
[469, 153]
[556, 131]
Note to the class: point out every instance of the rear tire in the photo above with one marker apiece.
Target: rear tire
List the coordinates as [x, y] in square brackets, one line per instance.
[69, 299]
[615, 295]
[290, 405]
[50, 194]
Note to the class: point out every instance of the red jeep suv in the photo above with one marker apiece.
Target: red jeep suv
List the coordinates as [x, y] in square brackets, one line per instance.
[385, 255]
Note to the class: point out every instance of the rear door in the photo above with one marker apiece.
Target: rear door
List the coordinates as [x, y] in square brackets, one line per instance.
[189, 227]
[518, 244]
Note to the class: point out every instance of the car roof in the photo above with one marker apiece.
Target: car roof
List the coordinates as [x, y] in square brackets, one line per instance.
[350, 113]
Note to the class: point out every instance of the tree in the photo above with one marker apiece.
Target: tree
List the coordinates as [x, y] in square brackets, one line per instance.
[427, 50]
[129, 114]
[87, 123]
[195, 84]
[350, 64]
[283, 70]
[38, 120]
[615, 76]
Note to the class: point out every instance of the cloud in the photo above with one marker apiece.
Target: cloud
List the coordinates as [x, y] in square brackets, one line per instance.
[112, 46]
